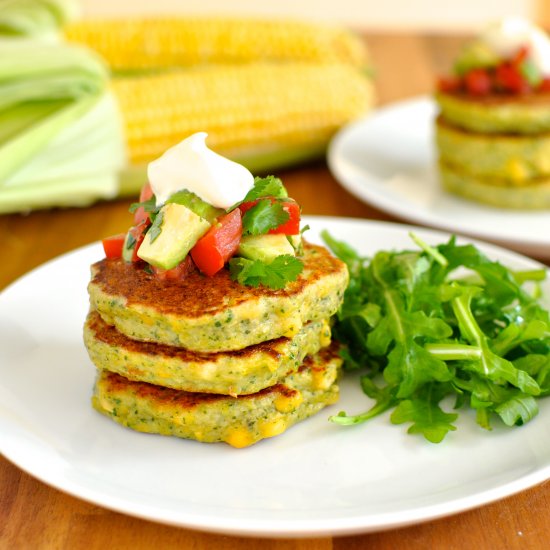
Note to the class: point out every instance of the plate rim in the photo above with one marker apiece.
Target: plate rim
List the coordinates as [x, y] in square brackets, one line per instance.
[270, 527]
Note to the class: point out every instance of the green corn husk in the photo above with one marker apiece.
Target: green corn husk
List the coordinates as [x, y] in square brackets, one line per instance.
[61, 140]
[33, 70]
[43, 87]
[38, 18]
[76, 168]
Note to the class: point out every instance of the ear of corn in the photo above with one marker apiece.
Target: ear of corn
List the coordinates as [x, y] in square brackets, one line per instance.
[268, 93]
[153, 43]
[258, 110]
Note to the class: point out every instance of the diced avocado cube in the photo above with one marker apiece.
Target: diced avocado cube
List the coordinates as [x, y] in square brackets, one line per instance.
[265, 247]
[180, 229]
[476, 55]
[196, 205]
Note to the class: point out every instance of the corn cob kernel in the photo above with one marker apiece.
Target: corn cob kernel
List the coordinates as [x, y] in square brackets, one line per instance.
[152, 43]
[245, 109]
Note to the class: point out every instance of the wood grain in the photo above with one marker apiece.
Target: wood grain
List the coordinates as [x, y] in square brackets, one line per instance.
[35, 516]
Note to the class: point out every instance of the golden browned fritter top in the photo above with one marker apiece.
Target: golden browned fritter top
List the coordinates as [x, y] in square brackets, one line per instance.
[493, 99]
[197, 295]
[211, 314]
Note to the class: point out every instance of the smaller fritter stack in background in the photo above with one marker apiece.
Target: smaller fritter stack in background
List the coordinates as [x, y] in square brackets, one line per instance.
[493, 130]
[209, 359]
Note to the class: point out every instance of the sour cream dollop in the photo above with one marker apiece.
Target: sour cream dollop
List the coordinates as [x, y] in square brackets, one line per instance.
[193, 166]
[506, 37]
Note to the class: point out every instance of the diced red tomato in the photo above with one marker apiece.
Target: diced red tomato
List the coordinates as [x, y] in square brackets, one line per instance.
[179, 272]
[521, 55]
[478, 82]
[246, 206]
[138, 233]
[140, 215]
[508, 77]
[511, 76]
[291, 226]
[113, 246]
[218, 244]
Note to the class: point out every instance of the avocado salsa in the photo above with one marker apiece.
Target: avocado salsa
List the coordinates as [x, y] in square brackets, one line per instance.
[258, 238]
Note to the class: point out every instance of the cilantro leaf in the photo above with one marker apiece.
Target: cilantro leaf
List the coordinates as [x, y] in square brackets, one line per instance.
[275, 274]
[130, 242]
[149, 205]
[531, 72]
[270, 186]
[156, 226]
[263, 216]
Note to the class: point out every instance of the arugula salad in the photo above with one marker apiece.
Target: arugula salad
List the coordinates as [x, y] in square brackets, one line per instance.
[438, 329]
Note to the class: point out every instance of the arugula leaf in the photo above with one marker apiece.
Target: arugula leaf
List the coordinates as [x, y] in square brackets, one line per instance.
[531, 275]
[499, 283]
[514, 335]
[345, 253]
[518, 410]
[409, 365]
[425, 415]
[430, 250]
[440, 323]
[384, 400]
[263, 216]
[537, 366]
[492, 366]
[275, 274]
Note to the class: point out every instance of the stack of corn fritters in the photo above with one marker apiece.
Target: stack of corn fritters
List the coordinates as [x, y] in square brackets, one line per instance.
[207, 358]
[495, 149]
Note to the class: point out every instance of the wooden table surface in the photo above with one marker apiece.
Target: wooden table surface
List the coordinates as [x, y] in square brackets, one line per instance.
[36, 516]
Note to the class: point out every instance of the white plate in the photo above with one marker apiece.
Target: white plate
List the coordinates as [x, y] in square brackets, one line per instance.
[388, 160]
[316, 479]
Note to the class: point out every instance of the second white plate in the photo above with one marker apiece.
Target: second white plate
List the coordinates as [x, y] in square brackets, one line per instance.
[388, 160]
